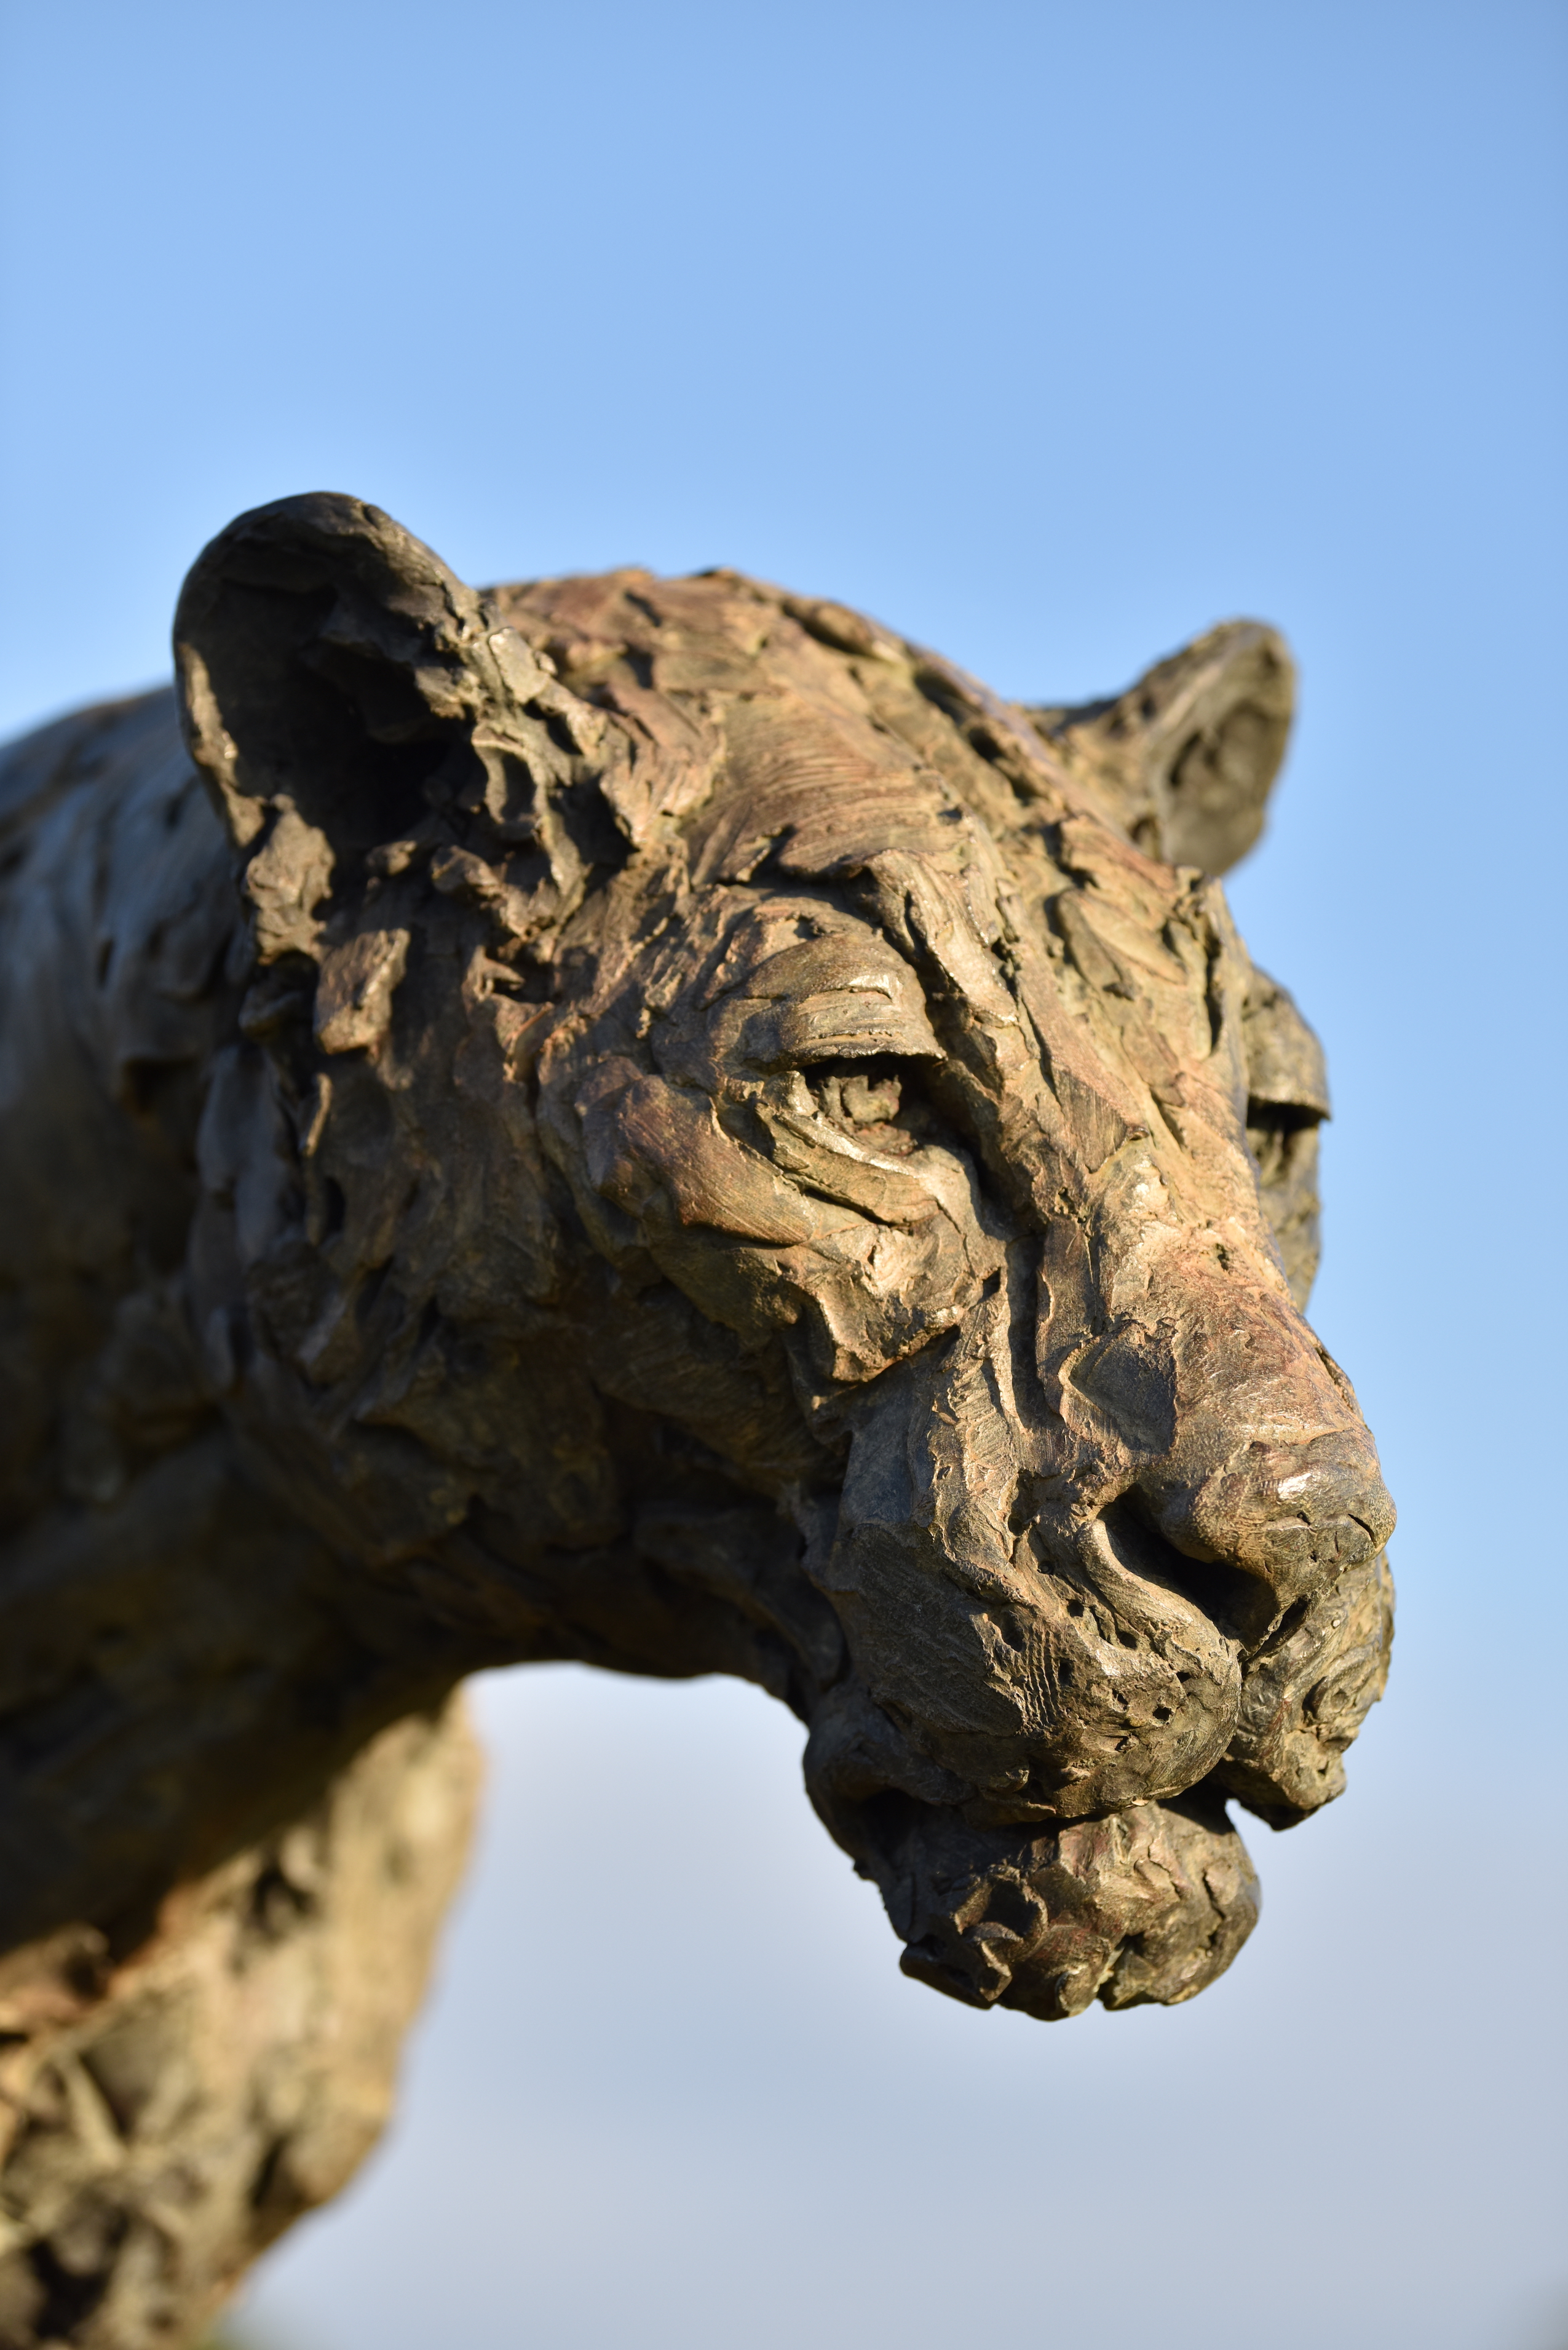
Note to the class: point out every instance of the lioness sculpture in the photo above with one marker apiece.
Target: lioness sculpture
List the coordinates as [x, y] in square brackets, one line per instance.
[650, 1122]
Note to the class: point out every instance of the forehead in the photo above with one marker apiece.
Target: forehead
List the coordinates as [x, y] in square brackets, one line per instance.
[820, 817]
[778, 744]
[817, 791]
[772, 729]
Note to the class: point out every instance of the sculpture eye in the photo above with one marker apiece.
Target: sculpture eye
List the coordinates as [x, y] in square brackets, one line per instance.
[881, 1102]
[867, 1103]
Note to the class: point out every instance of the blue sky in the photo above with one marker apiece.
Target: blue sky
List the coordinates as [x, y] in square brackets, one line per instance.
[1051, 335]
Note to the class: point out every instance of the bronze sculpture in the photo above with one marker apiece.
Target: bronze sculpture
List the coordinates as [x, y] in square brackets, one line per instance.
[668, 1127]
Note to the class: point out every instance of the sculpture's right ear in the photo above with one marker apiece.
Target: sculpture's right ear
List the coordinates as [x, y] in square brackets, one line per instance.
[324, 658]
[340, 686]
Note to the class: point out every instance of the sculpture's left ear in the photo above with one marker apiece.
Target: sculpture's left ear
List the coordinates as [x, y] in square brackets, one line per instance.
[342, 689]
[1186, 758]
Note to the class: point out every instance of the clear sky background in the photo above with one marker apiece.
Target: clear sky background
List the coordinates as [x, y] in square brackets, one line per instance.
[1051, 334]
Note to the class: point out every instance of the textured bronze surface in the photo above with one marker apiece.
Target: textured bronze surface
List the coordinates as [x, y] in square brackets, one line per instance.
[649, 1121]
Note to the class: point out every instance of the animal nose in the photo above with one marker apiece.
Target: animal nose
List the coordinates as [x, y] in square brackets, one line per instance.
[1292, 1515]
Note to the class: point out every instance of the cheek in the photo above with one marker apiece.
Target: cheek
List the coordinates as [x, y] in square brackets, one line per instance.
[758, 1252]
[851, 1303]
[657, 1152]
[1060, 1701]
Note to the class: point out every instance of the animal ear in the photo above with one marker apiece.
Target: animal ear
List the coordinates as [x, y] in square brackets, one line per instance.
[1186, 758]
[324, 658]
[342, 689]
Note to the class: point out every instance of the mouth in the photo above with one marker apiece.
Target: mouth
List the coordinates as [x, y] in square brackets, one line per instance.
[1148, 1907]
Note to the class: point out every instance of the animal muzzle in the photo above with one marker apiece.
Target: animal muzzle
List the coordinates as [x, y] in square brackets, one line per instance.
[1290, 1517]
[1210, 1404]
[1064, 1659]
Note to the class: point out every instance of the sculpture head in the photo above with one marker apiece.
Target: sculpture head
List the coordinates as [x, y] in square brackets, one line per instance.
[742, 1161]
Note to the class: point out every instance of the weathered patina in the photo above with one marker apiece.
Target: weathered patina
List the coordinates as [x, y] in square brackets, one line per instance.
[654, 1122]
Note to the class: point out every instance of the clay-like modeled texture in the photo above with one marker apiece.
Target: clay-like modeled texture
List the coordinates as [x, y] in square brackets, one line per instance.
[650, 1122]
[163, 2117]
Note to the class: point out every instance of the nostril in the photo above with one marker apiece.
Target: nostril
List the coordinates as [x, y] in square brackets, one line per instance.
[1139, 1544]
